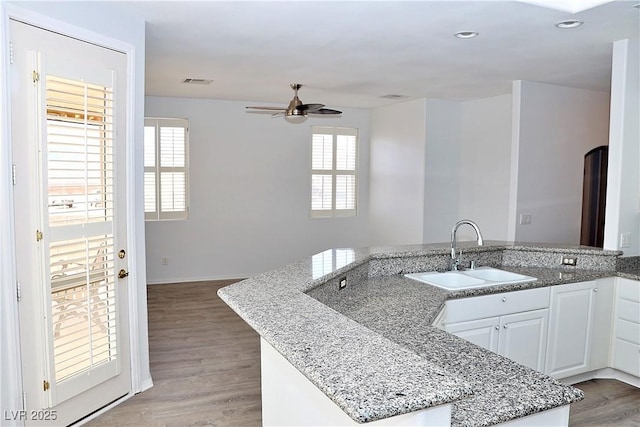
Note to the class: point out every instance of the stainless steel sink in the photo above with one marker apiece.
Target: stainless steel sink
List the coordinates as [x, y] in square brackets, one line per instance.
[470, 279]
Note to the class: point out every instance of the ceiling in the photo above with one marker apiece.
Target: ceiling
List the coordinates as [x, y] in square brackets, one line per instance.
[349, 54]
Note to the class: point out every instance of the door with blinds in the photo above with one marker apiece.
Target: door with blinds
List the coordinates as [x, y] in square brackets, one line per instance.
[68, 133]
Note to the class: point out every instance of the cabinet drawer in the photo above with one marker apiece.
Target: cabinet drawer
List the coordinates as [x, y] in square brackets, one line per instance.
[627, 357]
[629, 290]
[628, 331]
[464, 309]
[628, 310]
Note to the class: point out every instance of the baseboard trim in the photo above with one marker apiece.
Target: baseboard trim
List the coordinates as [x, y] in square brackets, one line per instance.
[605, 374]
[195, 279]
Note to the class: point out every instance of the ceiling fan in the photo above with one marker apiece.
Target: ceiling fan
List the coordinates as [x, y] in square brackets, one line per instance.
[296, 111]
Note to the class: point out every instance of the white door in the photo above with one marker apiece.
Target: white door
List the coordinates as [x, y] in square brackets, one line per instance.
[482, 332]
[68, 137]
[523, 338]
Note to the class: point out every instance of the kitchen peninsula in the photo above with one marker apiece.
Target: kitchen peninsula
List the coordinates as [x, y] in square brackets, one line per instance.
[345, 329]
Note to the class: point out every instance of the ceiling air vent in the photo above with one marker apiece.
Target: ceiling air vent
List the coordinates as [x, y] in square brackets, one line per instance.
[197, 81]
[393, 96]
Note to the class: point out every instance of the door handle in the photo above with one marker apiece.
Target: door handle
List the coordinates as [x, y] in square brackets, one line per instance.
[122, 273]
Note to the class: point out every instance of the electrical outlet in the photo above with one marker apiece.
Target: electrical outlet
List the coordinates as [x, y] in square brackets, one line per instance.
[165, 261]
[569, 260]
[525, 219]
[625, 240]
[343, 283]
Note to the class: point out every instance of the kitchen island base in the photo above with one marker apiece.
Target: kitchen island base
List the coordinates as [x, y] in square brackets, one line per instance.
[290, 399]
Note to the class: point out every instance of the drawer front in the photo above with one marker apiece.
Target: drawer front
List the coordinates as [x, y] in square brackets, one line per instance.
[628, 310]
[629, 290]
[627, 357]
[628, 331]
[464, 309]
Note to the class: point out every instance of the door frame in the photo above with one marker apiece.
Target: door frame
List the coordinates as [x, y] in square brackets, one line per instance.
[11, 393]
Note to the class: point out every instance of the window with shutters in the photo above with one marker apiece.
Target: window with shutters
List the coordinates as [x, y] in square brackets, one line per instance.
[334, 154]
[166, 167]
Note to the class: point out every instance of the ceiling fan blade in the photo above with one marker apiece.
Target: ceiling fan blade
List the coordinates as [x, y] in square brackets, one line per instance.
[309, 107]
[267, 108]
[281, 114]
[325, 111]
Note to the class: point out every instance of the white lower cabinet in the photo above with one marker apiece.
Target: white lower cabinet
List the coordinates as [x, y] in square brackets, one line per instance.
[523, 338]
[512, 324]
[626, 338]
[566, 331]
[571, 329]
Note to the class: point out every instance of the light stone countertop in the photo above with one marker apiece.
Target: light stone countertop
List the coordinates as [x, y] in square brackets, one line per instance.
[373, 350]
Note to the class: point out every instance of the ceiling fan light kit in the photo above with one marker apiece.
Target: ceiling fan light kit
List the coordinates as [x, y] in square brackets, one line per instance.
[296, 111]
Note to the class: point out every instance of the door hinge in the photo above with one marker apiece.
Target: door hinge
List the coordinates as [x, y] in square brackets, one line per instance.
[13, 174]
[45, 385]
[18, 291]
[10, 52]
[36, 76]
[38, 235]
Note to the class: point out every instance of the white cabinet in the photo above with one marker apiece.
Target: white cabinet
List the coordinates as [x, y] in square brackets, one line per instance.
[512, 324]
[626, 338]
[523, 338]
[571, 331]
[481, 332]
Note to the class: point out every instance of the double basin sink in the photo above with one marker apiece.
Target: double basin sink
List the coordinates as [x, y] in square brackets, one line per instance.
[470, 279]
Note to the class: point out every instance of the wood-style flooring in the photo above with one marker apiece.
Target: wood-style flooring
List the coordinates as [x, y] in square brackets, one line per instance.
[606, 403]
[204, 359]
[205, 364]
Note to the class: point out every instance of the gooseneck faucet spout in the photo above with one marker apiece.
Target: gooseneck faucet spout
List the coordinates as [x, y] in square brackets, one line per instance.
[455, 258]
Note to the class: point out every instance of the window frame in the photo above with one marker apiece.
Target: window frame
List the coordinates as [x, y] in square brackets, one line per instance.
[157, 169]
[334, 172]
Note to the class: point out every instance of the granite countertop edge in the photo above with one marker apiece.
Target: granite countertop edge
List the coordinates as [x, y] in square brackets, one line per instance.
[273, 299]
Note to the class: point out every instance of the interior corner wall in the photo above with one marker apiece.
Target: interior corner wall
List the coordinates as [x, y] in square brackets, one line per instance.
[250, 194]
[623, 178]
[442, 163]
[397, 173]
[558, 126]
[485, 166]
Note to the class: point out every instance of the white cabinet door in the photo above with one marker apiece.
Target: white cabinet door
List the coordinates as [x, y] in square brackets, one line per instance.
[626, 344]
[523, 338]
[571, 328]
[482, 332]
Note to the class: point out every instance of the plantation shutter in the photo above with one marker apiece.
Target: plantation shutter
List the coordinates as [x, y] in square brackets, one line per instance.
[333, 171]
[79, 185]
[165, 168]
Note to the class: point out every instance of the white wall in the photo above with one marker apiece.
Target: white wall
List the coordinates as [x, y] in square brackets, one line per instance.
[397, 173]
[558, 126]
[623, 179]
[250, 194]
[442, 162]
[484, 171]
[458, 153]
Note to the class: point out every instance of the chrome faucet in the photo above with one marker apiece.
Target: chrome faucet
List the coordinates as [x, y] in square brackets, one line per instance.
[455, 257]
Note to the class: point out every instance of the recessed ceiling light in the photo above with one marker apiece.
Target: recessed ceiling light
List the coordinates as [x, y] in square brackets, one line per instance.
[569, 23]
[466, 34]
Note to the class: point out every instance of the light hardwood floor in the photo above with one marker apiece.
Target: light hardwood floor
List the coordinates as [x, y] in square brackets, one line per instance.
[205, 364]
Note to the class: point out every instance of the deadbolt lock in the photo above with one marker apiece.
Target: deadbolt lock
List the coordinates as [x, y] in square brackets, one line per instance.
[121, 254]
[122, 273]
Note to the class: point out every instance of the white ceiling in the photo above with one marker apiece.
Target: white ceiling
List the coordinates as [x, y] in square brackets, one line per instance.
[348, 54]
